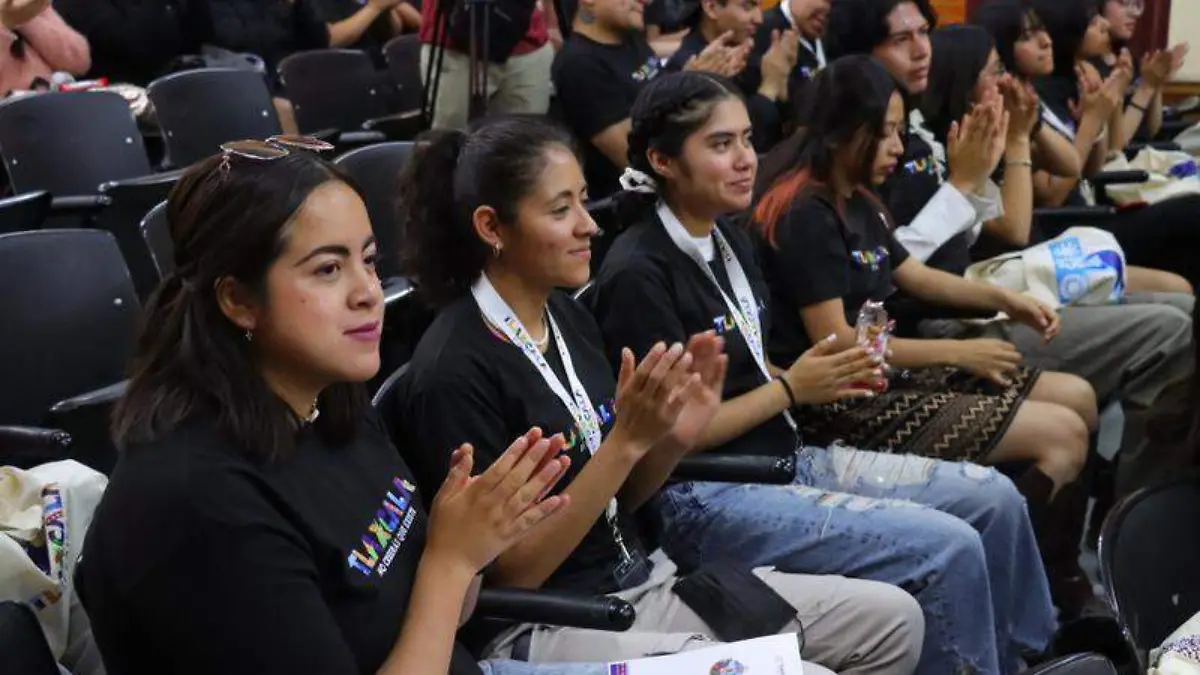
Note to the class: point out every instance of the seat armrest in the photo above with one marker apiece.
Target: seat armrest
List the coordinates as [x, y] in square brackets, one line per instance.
[1119, 177]
[557, 609]
[363, 137]
[396, 289]
[27, 447]
[103, 396]
[1172, 128]
[728, 468]
[1133, 149]
[402, 126]
[164, 178]
[78, 204]
[1075, 213]
[15, 436]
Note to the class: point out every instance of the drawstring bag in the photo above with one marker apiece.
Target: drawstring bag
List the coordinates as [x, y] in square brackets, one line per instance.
[44, 514]
[1082, 266]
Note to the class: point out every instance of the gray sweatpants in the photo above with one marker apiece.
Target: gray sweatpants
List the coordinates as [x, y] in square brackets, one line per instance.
[849, 626]
[1131, 352]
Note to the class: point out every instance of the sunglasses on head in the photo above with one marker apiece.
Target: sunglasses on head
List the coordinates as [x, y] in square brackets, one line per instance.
[274, 147]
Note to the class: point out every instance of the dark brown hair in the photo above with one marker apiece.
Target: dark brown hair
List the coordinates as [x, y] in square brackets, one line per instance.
[191, 359]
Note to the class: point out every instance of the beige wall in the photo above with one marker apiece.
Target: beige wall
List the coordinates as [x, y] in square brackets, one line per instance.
[1185, 27]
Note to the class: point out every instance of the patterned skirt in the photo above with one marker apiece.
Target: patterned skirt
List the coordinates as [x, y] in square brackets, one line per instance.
[942, 413]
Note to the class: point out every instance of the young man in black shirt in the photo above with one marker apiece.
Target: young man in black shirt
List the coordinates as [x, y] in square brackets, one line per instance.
[764, 81]
[598, 74]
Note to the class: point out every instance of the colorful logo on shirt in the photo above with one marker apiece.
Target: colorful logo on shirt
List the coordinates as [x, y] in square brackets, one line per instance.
[389, 529]
[618, 668]
[926, 166]
[725, 323]
[870, 259]
[648, 70]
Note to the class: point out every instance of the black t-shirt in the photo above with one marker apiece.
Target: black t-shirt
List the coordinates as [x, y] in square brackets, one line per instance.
[468, 384]
[201, 560]
[649, 291]
[272, 29]
[822, 253]
[134, 41]
[373, 39]
[807, 65]
[766, 115]
[596, 85]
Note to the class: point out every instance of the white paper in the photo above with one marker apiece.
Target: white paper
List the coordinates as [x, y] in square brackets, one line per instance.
[773, 655]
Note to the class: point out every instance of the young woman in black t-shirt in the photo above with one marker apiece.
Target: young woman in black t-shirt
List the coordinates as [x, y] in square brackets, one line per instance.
[259, 520]
[508, 351]
[828, 247]
[849, 512]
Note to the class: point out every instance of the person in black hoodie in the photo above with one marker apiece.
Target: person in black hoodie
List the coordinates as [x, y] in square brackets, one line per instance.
[260, 520]
[764, 80]
[135, 41]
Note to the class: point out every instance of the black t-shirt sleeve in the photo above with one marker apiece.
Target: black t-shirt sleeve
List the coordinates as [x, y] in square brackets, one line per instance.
[813, 262]
[311, 29]
[592, 96]
[896, 251]
[457, 409]
[635, 309]
[238, 594]
[767, 120]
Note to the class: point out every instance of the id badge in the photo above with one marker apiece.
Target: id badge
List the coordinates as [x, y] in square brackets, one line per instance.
[632, 571]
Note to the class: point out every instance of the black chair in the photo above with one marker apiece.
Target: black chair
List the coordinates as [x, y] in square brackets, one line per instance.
[198, 110]
[1076, 664]
[340, 89]
[376, 170]
[70, 143]
[84, 148]
[403, 56]
[24, 212]
[156, 232]
[23, 643]
[1149, 555]
[67, 338]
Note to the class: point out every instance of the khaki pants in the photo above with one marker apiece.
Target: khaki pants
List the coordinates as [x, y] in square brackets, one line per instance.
[520, 85]
[849, 626]
[1132, 353]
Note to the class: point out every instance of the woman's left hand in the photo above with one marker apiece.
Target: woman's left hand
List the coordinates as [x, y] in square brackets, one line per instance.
[704, 397]
[1032, 313]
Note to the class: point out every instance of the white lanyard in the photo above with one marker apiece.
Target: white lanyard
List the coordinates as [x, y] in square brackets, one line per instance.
[745, 311]
[497, 313]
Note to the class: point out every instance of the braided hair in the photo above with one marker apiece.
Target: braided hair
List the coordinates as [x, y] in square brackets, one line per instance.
[667, 111]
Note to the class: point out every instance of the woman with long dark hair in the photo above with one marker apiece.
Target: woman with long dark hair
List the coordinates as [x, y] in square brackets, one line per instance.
[510, 351]
[849, 512]
[259, 520]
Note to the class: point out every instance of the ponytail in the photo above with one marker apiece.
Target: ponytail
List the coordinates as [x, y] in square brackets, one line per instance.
[453, 174]
[443, 257]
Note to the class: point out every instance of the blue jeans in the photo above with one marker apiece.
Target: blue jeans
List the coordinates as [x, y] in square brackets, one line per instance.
[521, 668]
[956, 536]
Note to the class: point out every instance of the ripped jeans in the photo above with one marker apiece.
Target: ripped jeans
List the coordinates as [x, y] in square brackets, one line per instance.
[956, 536]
